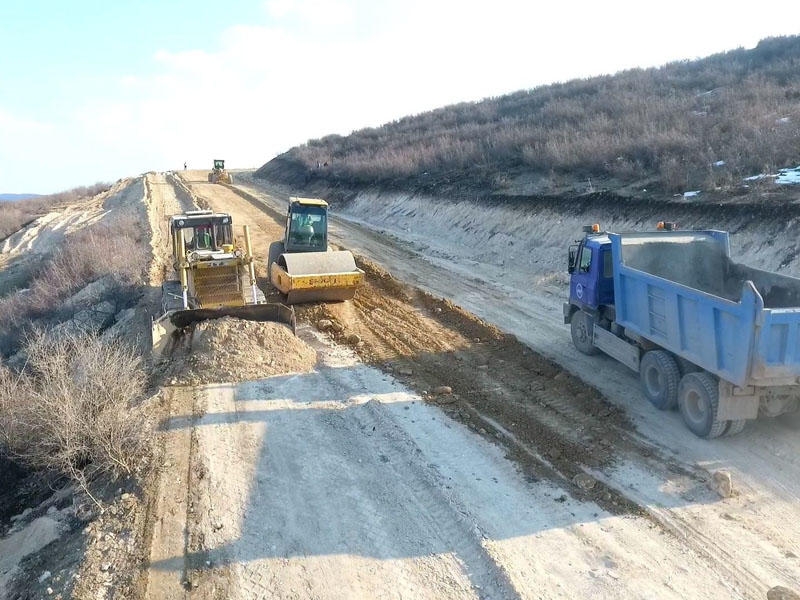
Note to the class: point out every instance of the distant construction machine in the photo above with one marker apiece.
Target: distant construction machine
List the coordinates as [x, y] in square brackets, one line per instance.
[218, 174]
[302, 267]
[216, 277]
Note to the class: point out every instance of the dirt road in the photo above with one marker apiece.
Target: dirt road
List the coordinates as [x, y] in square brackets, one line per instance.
[358, 480]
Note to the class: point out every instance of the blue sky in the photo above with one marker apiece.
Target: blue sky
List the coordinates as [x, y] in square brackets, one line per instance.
[95, 91]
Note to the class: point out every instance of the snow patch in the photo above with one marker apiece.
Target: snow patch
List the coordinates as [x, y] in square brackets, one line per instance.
[788, 176]
[32, 538]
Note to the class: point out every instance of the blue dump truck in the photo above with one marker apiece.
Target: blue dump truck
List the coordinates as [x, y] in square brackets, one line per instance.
[719, 339]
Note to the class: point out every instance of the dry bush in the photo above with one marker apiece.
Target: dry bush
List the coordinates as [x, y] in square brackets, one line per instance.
[12, 218]
[15, 215]
[115, 247]
[73, 409]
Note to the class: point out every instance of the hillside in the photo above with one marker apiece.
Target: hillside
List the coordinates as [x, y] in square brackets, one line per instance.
[695, 125]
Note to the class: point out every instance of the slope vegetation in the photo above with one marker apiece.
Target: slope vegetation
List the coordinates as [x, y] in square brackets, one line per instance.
[702, 124]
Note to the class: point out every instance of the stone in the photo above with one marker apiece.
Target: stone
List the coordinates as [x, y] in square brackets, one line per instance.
[324, 324]
[721, 483]
[584, 481]
[782, 593]
[405, 371]
[443, 390]
[354, 339]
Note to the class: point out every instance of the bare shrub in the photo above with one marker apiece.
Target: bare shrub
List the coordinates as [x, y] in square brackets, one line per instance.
[115, 248]
[15, 215]
[73, 409]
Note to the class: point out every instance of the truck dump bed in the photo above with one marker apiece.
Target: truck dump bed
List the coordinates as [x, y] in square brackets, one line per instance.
[682, 291]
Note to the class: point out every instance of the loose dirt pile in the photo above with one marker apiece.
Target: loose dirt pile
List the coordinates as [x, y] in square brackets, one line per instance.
[230, 349]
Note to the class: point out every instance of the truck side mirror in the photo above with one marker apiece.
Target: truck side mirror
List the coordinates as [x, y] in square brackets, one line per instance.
[572, 259]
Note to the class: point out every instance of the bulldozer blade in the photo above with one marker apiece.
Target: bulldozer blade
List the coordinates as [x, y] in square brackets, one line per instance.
[275, 312]
[162, 328]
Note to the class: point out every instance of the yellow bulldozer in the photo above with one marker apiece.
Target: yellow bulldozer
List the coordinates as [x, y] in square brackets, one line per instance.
[302, 267]
[216, 277]
[218, 174]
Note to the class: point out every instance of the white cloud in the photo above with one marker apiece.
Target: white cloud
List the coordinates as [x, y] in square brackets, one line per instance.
[314, 13]
[12, 125]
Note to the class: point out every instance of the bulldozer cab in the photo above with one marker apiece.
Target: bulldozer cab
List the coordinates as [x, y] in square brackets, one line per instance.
[219, 164]
[203, 231]
[307, 226]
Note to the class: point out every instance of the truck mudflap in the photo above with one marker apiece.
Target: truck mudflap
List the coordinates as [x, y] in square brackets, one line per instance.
[737, 403]
[162, 328]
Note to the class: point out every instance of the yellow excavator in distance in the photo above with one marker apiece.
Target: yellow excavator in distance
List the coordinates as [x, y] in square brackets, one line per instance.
[216, 277]
[302, 267]
[218, 174]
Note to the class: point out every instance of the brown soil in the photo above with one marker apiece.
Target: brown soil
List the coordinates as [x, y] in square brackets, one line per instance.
[483, 377]
[230, 349]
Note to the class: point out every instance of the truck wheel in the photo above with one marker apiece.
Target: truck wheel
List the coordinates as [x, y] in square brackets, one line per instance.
[581, 326]
[735, 427]
[698, 400]
[660, 378]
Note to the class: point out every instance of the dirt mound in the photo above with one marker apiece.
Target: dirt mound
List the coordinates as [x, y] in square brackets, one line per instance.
[230, 349]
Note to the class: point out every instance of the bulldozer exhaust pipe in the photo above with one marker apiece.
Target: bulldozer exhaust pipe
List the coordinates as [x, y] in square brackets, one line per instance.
[248, 246]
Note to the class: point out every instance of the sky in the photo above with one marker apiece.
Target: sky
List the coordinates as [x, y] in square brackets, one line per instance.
[95, 90]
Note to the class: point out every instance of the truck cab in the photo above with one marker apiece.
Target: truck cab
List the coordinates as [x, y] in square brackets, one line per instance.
[591, 284]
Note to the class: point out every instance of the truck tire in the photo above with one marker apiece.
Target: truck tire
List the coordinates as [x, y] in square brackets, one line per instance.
[581, 326]
[660, 378]
[698, 400]
[735, 427]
